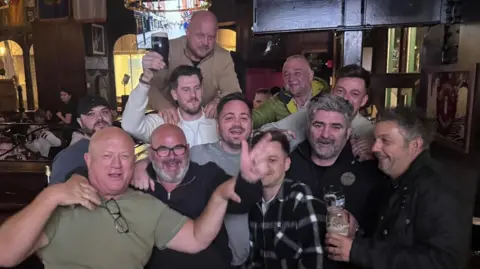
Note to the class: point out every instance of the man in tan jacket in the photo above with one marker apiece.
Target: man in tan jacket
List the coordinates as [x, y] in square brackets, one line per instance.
[198, 48]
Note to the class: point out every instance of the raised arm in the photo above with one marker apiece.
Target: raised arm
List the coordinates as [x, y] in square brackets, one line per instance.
[22, 234]
[196, 235]
[134, 120]
[249, 191]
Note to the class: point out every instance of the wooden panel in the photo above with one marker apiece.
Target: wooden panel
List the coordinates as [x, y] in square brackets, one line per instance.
[286, 15]
[59, 60]
[299, 42]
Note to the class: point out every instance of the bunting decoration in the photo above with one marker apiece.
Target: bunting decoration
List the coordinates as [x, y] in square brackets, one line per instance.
[53, 9]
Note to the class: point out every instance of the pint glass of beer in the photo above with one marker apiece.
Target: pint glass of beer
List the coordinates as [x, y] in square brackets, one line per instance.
[337, 221]
[160, 45]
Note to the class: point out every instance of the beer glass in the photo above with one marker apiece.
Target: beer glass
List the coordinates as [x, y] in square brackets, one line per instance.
[337, 221]
[161, 46]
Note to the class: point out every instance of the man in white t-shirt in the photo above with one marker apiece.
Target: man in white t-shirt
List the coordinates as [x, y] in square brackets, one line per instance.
[186, 89]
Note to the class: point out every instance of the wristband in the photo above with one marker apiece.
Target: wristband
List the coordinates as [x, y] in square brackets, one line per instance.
[143, 81]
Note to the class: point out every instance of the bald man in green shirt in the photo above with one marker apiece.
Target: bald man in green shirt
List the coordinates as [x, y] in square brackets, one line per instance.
[115, 227]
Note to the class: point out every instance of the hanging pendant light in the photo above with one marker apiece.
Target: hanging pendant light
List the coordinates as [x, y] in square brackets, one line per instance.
[167, 5]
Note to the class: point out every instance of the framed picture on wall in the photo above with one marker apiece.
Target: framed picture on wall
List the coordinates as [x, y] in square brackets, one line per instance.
[98, 39]
[450, 96]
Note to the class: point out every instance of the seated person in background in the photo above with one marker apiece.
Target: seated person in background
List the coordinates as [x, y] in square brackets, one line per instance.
[95, 114]
[352, 83]
[116, 227]
[326, 159]
[186, 88]
[3, 128]
[426, 221]
[234, 125]
[6, 148]
[40, 141]
[197, 48]
[285, 226]
[299, 87]
[185, 186]
[261, 96]
[69, 108]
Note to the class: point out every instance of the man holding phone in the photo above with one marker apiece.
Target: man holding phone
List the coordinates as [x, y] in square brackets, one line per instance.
[198, 48]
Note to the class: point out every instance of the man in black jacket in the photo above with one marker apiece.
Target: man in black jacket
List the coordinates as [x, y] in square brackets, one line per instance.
[326, 158]
[425, 223]
[186, 186]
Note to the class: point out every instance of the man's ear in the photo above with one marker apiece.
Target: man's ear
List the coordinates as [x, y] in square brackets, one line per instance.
[416, 145]
[88, 159]
[174, 94]
[364, 101]
[349, 132]
[287, 164]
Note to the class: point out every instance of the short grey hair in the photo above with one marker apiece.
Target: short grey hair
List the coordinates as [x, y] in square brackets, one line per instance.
[330, 103]
[412, 122]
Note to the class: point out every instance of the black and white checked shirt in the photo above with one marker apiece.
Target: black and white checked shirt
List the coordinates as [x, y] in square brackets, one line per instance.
[287, 235]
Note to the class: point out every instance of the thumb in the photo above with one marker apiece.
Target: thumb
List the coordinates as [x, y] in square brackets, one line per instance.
[244, 152]
[152, 184]
[235, 197]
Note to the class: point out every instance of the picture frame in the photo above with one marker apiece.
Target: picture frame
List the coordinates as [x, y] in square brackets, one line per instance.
[98, 39]
[450, 103]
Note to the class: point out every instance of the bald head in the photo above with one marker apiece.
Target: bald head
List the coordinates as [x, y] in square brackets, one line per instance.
[102, 138]
[110, 160]
[168, 135]
[202, 16]
[201, 35]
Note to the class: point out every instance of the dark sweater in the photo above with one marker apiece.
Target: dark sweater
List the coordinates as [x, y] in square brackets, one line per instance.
[190, 198]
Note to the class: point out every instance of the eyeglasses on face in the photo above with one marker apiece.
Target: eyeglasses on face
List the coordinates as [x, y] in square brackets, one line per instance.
[177, 150]
[119, 221]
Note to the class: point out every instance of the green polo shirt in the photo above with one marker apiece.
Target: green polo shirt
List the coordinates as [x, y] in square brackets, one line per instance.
[80, 238]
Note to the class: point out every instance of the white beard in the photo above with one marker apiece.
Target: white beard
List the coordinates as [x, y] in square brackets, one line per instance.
[167, 178]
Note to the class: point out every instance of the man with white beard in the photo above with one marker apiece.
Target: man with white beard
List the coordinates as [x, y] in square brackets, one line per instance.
[186, 186]
[234, 125]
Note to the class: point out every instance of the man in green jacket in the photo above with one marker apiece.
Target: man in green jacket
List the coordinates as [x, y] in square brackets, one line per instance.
[299, 87]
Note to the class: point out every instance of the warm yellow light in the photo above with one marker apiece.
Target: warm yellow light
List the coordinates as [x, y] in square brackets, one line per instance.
[2, 51]
[227, 39]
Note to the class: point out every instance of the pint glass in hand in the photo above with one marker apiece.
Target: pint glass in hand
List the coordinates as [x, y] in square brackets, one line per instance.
[161, 46]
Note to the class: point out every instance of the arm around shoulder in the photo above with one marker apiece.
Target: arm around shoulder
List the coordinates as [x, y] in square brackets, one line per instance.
[23, 233]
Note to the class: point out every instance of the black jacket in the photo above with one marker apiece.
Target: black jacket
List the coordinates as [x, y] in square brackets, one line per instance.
[362, 182]
[425, 224]
[190, 198]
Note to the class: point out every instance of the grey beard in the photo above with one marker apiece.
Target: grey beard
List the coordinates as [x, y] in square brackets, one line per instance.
[162, 176]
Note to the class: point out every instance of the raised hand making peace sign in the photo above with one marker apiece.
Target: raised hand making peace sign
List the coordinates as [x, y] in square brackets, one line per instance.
[254, 162]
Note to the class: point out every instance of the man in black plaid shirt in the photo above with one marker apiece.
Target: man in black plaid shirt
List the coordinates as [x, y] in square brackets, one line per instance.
[284, 226]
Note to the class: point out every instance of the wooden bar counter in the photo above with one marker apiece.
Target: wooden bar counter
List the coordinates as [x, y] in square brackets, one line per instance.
[20, 182]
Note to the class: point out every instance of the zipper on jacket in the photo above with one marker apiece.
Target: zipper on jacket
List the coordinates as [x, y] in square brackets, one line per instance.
[168, 196]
